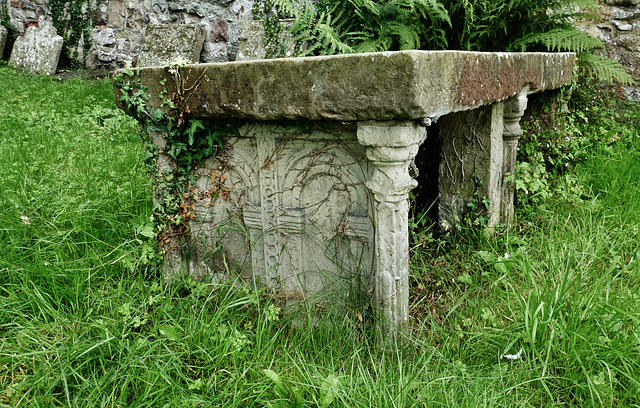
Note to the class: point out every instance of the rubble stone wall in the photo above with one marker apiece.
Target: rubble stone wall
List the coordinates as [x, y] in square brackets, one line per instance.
[120, 26]
[618, 26]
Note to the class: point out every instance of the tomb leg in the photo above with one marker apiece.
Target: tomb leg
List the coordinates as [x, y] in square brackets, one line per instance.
[391, 148]
[513, 111]
[471, 166]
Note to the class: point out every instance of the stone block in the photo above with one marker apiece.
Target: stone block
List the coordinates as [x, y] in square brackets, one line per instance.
[112, 47]
[470, 165]
[251, 44]
[38, 50]
[3, 38]
[163, 43]
[404, 84]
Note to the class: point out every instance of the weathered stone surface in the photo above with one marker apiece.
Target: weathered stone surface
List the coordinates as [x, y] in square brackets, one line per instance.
[288, 207]
[251, 42]
[112, 47]
[38, 50]
[320, 211]
[3, 38]
[478, 156]
[471, 165]
[390, 150]
[623, 2]
[375, 86]
[219, 19]
[163, 43]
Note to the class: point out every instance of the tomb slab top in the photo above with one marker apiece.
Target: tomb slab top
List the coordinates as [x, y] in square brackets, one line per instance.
[370, 86]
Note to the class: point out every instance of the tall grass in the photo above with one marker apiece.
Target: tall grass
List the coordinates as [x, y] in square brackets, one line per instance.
[86, 321]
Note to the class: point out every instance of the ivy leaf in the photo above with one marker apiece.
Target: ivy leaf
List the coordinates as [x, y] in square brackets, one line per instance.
[157, 115]
[195, 126]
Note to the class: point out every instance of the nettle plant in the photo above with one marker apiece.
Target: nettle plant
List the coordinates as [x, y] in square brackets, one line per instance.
[187, 142]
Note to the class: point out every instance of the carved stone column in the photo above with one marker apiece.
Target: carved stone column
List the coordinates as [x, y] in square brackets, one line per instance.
[391, 148]
[513, 111]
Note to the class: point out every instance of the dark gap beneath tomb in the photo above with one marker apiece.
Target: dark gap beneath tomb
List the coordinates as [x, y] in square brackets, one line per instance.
[425, 195]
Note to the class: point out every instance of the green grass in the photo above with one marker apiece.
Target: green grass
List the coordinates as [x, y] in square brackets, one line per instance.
[85, 319]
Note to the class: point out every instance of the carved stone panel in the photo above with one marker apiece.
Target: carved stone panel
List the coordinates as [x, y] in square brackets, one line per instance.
[286, 207]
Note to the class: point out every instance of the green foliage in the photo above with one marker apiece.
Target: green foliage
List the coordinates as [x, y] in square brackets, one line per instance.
[554, 144]
[559, 39]
[604, 68]
[12, 33]
[274, 43]
[74, 21]
[188, 142]
[346, 26]
[489, 25]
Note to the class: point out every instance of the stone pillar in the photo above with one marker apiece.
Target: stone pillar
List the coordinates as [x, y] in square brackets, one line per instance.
[512, 112]
[391, 148]
[470, 178]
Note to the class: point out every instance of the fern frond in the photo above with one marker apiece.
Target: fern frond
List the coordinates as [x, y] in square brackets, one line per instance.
[408, 38]
[361, 7]
[604, 69]
[568, 39]
[373, 45]
[324, 39]
[431, 10]
[297, 9]
[331, 40]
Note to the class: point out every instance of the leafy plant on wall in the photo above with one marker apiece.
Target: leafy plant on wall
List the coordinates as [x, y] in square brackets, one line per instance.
[74, 21]
[12, 33]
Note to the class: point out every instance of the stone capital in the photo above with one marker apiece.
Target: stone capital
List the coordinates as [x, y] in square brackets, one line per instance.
[390, 133]
[513, 110]
[391, 148]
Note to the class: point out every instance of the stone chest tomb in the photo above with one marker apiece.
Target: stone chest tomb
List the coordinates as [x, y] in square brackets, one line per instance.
[309, 195]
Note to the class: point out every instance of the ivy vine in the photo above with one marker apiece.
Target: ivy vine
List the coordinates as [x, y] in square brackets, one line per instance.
[188, 141]
[274, 44]
[12, 32]
[74, 20]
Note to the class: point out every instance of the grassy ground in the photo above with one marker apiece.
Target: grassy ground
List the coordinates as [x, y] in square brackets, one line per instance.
[86, 321]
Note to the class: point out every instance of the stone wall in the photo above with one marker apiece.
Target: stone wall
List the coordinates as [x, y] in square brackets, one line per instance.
[120, 27]
[618, 26]
[24, 14]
